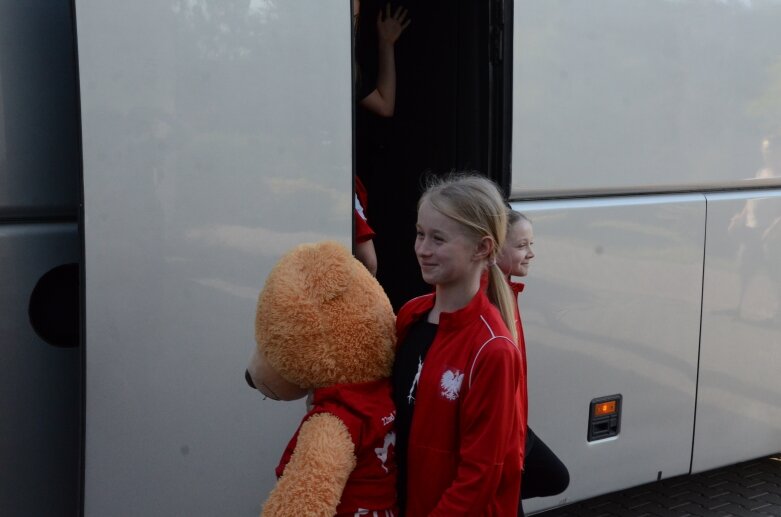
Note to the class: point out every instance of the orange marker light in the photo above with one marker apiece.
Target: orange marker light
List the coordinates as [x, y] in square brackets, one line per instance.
[605, 408]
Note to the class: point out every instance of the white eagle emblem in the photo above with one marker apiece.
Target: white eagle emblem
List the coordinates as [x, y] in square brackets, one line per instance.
[451, 383]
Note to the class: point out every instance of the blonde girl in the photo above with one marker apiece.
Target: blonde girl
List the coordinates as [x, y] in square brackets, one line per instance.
[457, 376]
[544, 474]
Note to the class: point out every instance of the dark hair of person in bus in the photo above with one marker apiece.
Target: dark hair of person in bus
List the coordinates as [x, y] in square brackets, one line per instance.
[544, 474]
[380, 99]
[457, 373]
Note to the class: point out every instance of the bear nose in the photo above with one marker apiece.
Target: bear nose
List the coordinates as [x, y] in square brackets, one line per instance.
[248, 378]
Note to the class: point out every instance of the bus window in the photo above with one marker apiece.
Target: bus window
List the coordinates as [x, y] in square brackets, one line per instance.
[609, 97]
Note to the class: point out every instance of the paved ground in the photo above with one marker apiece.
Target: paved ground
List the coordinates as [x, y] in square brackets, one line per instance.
[747, 489]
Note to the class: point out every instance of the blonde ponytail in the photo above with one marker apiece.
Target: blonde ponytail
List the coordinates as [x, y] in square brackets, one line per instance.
[501, 295]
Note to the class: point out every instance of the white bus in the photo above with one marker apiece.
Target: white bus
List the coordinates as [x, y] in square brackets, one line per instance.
[174, 150]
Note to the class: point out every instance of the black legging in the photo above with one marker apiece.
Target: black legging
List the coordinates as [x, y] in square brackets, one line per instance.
[543, 472]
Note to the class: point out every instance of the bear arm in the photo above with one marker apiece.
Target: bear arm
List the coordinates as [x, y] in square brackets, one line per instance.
[313, 481]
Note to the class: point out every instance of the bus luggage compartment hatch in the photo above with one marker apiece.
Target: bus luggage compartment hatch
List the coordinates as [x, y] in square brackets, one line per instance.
[604, 417]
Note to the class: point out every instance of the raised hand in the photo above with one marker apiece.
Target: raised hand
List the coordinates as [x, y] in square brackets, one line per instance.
[390, 27]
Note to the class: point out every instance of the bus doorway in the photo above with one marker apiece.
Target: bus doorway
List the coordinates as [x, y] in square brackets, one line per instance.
[449, 116]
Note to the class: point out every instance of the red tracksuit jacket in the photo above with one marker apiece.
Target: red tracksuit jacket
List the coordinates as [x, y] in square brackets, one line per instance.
[466, 440]
[368, 412]
[517, 288]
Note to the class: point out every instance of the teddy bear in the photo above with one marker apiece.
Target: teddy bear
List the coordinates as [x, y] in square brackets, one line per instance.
[325, 328]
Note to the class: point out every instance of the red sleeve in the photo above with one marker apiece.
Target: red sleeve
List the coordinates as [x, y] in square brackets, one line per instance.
[489, 415]
[361, 193]
[363, 232]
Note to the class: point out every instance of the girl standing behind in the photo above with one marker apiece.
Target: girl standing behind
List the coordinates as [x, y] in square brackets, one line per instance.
[457, 376]
[543, 473]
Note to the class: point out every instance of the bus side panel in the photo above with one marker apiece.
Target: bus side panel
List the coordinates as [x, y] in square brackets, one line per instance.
[739, 395]
[612, 306]
[39, 198]
[39, 383]
[217, 135]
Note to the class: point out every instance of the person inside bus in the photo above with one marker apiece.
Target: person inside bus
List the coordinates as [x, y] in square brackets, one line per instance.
[378, 98]
[460, 418]
[543, 472]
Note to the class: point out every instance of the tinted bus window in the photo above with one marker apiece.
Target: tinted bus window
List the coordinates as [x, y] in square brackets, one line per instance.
[660, 95]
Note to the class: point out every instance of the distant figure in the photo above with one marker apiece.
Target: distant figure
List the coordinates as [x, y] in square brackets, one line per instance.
[380, 99]
[543, 472]
[757, 227]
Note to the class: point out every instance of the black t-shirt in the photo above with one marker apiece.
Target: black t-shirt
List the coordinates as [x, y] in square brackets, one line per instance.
[406, 372]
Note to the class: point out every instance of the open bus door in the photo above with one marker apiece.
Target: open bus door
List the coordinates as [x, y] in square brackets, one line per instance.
[453, 101]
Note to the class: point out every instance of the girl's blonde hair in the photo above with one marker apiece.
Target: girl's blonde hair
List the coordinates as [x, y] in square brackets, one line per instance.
[476, 203]
[514, 216]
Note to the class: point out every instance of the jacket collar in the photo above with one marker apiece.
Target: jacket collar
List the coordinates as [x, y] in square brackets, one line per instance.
[460, 318]
[517, 287]
[357, 389]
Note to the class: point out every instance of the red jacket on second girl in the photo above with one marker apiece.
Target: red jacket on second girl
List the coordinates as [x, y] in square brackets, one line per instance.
[517, 288]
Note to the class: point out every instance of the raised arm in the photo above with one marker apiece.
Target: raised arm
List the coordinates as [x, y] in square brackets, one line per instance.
[382, 100]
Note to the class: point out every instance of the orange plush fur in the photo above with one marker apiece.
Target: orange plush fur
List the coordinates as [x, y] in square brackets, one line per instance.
[322, 319]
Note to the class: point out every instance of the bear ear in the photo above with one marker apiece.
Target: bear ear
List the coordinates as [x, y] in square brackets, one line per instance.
[327, 268]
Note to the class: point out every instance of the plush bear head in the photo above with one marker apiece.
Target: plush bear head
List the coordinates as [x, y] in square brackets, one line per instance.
[322, 319]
